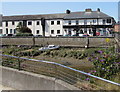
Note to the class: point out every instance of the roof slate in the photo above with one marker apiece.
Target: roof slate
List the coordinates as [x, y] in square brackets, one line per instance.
[72, 15]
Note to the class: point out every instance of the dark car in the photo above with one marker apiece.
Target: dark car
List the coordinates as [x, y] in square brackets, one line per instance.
[10, 35]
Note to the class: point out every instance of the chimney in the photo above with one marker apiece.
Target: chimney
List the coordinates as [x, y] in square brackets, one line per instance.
[88, 10]
[98, 9]
[68, 11]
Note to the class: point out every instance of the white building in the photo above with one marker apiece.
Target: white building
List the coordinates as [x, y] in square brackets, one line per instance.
[69, 23]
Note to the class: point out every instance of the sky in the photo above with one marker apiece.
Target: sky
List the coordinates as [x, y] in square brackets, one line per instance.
[31, 8]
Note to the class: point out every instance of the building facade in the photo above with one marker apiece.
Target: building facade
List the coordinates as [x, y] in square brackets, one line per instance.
[89, 22]
[117, 27]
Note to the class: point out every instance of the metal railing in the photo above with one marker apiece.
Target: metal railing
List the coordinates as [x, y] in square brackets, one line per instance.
[70, 75]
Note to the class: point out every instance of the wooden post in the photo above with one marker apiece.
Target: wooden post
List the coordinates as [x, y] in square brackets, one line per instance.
[33, 38]
[87, 42]
[19, 65]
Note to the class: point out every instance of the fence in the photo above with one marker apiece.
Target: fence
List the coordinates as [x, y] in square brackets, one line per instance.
[72, 76]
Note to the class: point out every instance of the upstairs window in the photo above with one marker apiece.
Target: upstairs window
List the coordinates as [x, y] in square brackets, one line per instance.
[38, 23]
[69, 22]
[52, 22]
[94, 21]
[29, 23]
[85, 22]
[103, 21]
[108, 20]
[77, 22]
[13, 23]
[58, 22]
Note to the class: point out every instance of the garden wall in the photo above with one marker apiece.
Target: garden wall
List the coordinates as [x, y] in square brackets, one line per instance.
[62, 41]
[22, 80]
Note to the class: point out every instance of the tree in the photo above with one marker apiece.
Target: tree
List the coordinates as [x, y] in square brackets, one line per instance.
[22, 29]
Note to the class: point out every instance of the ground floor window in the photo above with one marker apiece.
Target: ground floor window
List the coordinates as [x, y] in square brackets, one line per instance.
[6, 30]
[52, 31]
[38, 32]
[81, 31]
[10, 31]
[58, 31]
[0, 31]
[14, 31]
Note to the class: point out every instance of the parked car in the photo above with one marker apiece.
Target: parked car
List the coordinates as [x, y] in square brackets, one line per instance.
[59, 35]
[67, 35]
[9, 35]
[75, 35]
[81, 34]
[2, 35]
[37, 35]
[85, 35]
[49, 47]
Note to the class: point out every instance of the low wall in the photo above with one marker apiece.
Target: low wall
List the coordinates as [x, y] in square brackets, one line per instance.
[62, 41]
[22, 80]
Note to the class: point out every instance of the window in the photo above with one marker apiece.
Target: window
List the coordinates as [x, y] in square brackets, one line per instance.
[38, 31]
[14, 31]
[13, 23]
[58, 31]
[69, 22]
[52, 22]
[94, 21]
[103, 21]
[108, 20]
[6, 23]
[90, 31]
[6, 30]
[10, 31]
[77, 22]
[38, 23]
[29, 23]
[85, 22]
[81, 31]
[0, 23]
[20, 23]
[0, 31]
[52, 31]
[85, 30]
[24, 23]
[58, 22]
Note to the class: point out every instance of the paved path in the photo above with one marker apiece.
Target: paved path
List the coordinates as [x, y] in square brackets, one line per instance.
[5, 88]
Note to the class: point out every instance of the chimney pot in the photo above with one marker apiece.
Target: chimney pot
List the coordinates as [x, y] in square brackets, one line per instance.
[88, 10]
[98, 9]
[68, 11]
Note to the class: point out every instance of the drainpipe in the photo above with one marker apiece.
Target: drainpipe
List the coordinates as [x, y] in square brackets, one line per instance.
[43, 26]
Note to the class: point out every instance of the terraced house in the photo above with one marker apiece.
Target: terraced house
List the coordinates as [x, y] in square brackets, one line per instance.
[64, 24]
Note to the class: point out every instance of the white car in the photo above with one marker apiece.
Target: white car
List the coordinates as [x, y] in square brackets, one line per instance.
[49, 47]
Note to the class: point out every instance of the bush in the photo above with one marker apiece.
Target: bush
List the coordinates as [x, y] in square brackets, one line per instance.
[106, 63]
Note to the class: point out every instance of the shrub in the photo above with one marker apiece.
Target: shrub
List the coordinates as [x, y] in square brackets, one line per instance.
[106, 63]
